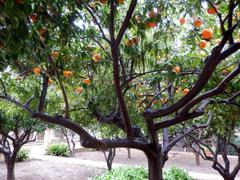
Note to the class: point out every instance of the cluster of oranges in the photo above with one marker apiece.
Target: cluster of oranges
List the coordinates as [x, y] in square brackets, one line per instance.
[151, 23]
[80, 89]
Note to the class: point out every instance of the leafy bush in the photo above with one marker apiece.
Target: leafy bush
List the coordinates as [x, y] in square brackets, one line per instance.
[22, 155]
[126, 173]
[57, 150]
[139, 173]
[176, 174]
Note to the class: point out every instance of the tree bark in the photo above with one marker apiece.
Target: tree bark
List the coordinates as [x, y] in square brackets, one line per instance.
[155, 164]
[197, 158]
[10, 163]
[129, 153]
[165, 137]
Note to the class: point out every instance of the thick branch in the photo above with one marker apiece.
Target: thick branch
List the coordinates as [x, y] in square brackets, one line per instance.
[125, 23]
[43, 93]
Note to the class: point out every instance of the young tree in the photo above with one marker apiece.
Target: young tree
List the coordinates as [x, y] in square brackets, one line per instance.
[117, 62]
[224, 126]
[16, 130]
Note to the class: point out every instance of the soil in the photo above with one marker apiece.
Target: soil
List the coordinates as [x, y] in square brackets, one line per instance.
[87, 164]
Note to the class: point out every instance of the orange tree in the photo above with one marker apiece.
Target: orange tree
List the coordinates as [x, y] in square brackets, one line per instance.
[135, 66]
[223, 128]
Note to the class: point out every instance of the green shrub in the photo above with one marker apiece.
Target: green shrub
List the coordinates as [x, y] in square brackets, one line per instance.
[22, 155]
[57, 150]
[139, 173]
[176, 174]
[126, 173]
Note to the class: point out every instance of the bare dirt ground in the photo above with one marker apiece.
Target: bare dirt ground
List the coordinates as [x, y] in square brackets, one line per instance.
[88, 164]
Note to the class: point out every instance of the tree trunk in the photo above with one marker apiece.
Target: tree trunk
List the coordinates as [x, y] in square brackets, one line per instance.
[165, 137]
[129, 153]
[10, 163]
[155, 166]
[197, 158]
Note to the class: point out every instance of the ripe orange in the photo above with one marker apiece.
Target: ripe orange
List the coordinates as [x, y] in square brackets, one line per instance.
[102, 1]
[96, 58]
[55, 54]
[151, 24]
[185, 91]
[202, 44]
[207, 33]
[33, 18]
[177, 69]
[120, 1]
[182, 21]
[197, 23]
[87, 81]
[67, 74]
[37, 70]
[211, 10]
[151, 14]
[79, 90]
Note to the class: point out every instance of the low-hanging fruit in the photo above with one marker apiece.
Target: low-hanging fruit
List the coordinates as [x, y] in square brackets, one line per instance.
[87, 81]
[55, 54]
[151, 24]
[182, 21]
[79, 90]
[37, 70]
[177, 69]
[212, 10]
[202, 44]
[197, 23]
[67, 74]
[96, 58]
[185, 91]
[207, 33]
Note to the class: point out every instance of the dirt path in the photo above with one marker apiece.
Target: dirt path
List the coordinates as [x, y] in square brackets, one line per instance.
[88, 164]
